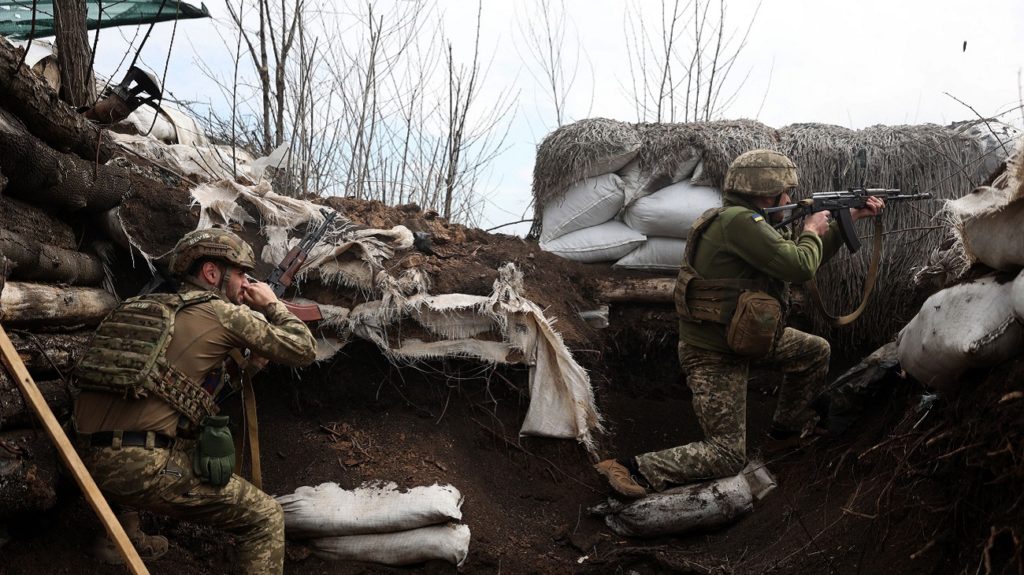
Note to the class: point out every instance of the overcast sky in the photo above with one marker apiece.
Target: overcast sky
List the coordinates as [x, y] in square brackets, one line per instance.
[854, 64]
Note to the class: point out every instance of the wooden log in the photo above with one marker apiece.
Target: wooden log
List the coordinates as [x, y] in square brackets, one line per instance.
[16, 414]
[44, 176]
[630, 290]
[42, 262]
[34, 223]
[31, 305]
[49, 119]
[50, 355]
[28, 472]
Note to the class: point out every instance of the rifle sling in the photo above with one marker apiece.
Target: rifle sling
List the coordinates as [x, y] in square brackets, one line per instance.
[252, 429]
[869, 283]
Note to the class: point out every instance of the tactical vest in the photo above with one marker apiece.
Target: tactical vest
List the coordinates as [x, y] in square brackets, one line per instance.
[127, 355]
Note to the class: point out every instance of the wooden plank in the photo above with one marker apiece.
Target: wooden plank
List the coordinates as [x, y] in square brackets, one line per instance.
[652, 290]
[67, 452]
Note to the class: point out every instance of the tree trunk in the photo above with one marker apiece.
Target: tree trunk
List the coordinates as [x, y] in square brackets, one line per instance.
[74, 57]
[35, 224]
[48, 118]
[31, 305]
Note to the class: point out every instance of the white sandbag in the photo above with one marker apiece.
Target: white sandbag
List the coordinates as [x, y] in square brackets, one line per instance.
[995, 238]
[965, 326]
[639, 182]
[171, 126]
[657, 254]
[691, 507]
[1017, 296]
[588, 203]
[329, 510]
[446, 542]
[602, 243]
[671, 211]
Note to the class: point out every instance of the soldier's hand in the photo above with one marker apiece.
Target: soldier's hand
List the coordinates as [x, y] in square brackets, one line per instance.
[816, 223]
[872, 208]
[258, 295]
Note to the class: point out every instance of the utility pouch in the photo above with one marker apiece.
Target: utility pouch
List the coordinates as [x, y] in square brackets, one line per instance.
[213, 460]
[754, 325]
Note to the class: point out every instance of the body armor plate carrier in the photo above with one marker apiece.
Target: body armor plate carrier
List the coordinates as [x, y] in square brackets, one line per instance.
[127, 355]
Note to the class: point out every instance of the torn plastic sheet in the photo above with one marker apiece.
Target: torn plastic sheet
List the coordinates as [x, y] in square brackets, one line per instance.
[561, 398]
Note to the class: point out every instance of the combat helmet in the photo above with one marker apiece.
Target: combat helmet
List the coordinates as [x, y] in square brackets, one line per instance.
[761, 173]
[214, 243]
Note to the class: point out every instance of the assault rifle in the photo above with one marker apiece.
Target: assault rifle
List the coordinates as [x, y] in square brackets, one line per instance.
[839, 204]
[284, 274]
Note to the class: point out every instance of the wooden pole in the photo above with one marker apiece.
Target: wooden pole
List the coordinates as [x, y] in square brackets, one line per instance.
[19, 372]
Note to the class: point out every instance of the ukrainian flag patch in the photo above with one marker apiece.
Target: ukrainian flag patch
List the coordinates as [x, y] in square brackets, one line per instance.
[757, 217]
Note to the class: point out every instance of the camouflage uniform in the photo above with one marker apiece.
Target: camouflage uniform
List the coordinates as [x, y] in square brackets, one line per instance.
[162, 480]
[741, 244]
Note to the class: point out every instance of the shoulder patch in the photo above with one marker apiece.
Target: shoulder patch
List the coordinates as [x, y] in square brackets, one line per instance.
[757, 217]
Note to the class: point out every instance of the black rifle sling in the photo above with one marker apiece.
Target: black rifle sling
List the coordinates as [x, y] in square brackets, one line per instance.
[869, 283]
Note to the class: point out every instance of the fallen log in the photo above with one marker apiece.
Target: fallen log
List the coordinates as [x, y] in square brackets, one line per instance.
[49, 119]
[28, 472]
[647, 290]
[43, 262]
[44, 176]
[16, 414]
[30, 305]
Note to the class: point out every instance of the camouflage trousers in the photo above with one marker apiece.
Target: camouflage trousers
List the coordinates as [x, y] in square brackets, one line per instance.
[162, 481]
[719, 385]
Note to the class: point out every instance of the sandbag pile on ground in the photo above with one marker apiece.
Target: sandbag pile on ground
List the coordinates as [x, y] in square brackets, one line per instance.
[977, 322]
[378, 523]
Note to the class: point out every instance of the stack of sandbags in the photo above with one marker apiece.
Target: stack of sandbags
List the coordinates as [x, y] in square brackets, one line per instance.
[604, 204]
[976, 323]
[378, 523]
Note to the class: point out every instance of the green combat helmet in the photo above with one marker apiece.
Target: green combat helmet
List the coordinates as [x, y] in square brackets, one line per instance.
[211, 243]
[761, 173]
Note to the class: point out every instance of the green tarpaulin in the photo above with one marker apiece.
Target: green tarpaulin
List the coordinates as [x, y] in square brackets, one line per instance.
[16, 15]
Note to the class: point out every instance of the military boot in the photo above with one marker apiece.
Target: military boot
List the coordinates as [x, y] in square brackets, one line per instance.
[620, 479]
[149, 546]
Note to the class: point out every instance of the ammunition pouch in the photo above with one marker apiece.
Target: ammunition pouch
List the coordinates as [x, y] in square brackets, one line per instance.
[754, 324]
[752, 316]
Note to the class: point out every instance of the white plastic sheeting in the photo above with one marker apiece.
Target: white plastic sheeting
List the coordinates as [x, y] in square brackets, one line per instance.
[968, 325]
[561, 399]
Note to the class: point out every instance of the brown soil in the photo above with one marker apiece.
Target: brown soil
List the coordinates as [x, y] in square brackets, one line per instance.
[903, 491]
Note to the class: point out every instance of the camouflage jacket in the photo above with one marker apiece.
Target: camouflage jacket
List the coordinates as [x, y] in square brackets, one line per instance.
[741, 244]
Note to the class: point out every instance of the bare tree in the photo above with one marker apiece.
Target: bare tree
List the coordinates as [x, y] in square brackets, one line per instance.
[680, 64]
[543, 32]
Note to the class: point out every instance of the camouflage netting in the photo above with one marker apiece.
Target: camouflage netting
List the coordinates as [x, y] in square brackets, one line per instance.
[945, 161]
